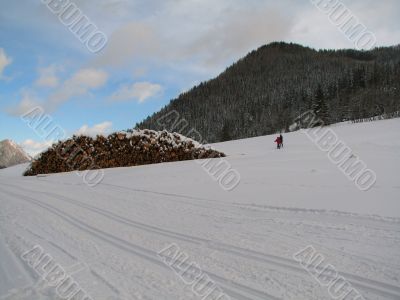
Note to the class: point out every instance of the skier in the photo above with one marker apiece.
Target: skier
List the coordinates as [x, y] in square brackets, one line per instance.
[281, 137]
[278, 142]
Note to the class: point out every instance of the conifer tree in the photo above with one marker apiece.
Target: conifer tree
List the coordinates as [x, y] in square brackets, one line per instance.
[320, 108]
[225, 133]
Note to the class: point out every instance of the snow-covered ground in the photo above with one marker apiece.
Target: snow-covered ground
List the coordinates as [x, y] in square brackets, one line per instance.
[108, 237]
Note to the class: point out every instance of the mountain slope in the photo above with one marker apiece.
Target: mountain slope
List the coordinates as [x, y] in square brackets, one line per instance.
[11, 154]
[265, 91]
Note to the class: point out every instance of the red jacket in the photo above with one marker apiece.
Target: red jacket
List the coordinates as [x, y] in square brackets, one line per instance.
[278, 140]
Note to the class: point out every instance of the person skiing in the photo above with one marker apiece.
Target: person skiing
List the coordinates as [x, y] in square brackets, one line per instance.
[281, 137]
[278, 142]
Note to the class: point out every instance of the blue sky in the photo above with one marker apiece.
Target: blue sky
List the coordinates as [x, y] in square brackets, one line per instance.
[156, 49]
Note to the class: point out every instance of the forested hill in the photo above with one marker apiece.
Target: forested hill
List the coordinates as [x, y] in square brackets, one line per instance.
[265, 91]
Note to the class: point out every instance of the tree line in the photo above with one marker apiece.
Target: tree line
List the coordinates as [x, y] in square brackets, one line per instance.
[264, 92]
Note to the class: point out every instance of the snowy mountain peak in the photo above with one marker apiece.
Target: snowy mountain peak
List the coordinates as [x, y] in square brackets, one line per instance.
[11, 154]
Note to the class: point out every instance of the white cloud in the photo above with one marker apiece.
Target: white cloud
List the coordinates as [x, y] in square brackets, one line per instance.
[4, 62]
[140, 72]
[237, 32]
[87, 79]
[140, 91]
[104, 128]
[27, 103]
[220, 32]
[81, 83]
[33, 148]
[48, 77]
[214, 37]
[131, 40]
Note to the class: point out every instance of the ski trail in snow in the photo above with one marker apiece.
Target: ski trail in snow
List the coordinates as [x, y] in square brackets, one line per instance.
[245, 239]
[244, 253]
[376, 287]
[235, 290]
[12, 274]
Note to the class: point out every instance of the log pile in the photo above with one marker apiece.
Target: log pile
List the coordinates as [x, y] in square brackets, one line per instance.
[121, 149]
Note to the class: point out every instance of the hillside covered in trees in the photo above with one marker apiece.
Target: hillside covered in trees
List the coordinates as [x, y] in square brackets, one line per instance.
[267, 90]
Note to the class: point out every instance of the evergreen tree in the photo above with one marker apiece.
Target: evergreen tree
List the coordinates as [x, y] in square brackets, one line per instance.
[320, 108]
[225, 133]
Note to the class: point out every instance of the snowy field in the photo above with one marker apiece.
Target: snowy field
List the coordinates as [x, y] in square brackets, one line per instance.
[108, 237]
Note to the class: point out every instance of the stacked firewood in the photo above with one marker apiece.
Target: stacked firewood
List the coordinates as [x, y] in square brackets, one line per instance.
[121, 149]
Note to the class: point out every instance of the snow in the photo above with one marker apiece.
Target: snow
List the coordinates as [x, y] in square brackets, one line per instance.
[164, 136]
[108, 237]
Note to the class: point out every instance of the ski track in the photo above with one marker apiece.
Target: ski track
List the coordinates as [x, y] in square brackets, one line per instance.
[235, 290]
[245, 239]
[379, 288]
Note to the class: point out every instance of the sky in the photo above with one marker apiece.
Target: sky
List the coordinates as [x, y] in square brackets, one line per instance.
[138, 55]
